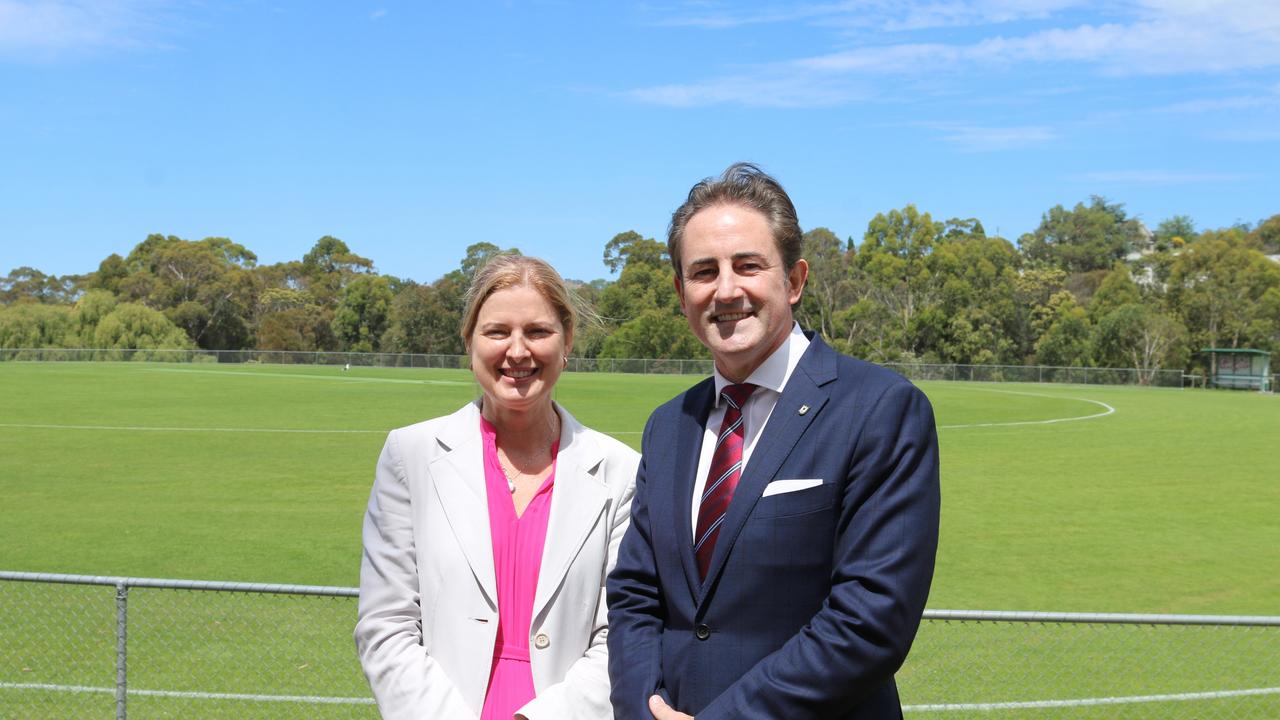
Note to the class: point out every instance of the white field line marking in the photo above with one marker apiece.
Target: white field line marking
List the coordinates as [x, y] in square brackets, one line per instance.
[1084, 702]
[142, 428]
[309, 699]
[949, 707]
[1107, 410]
[339, 378]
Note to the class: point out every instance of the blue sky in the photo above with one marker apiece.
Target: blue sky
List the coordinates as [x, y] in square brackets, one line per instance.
[412, 130]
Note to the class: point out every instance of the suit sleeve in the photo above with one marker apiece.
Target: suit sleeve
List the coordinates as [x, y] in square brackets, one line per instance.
[406, 681]
[636, 611]
[882, 569]
[584, 692]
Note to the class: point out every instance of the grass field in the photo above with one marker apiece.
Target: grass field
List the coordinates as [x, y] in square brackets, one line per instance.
[261, 473]
[1061, 498]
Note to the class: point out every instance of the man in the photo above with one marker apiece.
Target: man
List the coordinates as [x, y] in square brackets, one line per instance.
[783, 533]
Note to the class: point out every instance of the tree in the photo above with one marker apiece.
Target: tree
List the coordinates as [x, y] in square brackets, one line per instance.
[1087, 237]
[1175, 232]
[27, 284]
[630, 246]
[478, 254]
[110, 273]
[893, 256]
[1139, 336]
[654, 333]
[1216, 286]
[1066, 337]
[420, 322]
[135, 327]
[328, 266]
[976, 317]
[1117, 288]
[205, 287]
[362, 314]
[641, 308]
[830, 285]
[1267, 235]
[287, 319]
[36, 325]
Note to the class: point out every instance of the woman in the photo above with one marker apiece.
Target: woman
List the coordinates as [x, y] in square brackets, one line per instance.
[490, 531]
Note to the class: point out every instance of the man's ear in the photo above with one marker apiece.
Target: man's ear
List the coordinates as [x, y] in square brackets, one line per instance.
[679, 291]
[797, 276]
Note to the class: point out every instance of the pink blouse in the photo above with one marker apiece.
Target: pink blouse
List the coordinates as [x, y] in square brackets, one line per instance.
[517, 557]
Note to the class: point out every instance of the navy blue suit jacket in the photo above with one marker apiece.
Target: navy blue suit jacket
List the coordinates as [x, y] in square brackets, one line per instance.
[813, 597]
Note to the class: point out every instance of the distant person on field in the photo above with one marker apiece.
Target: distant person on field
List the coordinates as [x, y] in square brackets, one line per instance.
[489, 531]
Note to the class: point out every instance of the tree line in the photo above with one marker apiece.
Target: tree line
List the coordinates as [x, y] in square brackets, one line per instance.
[1090, 286]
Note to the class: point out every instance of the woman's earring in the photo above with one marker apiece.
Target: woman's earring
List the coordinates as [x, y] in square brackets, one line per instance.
[566, 361]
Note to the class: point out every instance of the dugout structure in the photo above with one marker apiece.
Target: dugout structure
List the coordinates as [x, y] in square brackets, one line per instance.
[1239, 368]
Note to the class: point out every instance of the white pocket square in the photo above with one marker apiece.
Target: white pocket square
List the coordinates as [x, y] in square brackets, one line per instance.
[777, 487]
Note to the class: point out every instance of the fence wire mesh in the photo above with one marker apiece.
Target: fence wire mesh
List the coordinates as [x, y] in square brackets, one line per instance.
[190, 653]
[914, 371]
[239, 651]
[1076, 670]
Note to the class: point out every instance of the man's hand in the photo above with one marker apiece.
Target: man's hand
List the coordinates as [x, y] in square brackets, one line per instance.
[662, 711]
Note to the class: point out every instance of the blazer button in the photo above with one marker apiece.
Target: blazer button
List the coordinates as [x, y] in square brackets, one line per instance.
[702, 632]
[542, 642]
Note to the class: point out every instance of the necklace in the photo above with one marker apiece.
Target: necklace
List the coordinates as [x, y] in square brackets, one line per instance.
[509, 470]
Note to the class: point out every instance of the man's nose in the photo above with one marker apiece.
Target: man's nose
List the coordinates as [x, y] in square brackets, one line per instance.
[727, 289]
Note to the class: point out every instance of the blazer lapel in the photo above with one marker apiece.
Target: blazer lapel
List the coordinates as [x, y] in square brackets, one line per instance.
[692, 422]
[459, 483]
[577, 501]
[782, 432]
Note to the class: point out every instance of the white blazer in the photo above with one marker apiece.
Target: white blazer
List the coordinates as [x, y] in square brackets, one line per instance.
[428, 613]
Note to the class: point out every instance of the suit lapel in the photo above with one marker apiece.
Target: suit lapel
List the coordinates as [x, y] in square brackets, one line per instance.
[577, 501]
[459, 483]
[691, 425]
[782, 432]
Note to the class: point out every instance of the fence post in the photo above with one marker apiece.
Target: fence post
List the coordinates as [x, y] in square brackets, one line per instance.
[122, 652]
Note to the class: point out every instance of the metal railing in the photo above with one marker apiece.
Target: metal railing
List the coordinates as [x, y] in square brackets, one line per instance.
[914, 371]
[88, 646]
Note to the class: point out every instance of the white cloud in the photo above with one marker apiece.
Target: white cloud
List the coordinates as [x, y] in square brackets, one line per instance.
[765, 90]
[971, 138]
[45, 28]
[1148, 37]
[1160, 177]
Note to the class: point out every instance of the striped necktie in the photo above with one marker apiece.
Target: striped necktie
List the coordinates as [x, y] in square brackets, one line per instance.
[722, 480]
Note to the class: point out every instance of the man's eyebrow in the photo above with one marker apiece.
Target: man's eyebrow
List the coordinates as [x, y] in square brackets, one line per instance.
[743, 255]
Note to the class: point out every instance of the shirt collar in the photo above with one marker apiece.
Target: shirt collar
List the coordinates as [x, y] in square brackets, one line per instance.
[776, 369]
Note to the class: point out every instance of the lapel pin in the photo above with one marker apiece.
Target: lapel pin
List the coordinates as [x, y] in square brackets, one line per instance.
[804, 409]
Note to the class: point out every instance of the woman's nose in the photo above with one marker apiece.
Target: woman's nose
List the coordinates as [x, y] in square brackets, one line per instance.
[518, 350]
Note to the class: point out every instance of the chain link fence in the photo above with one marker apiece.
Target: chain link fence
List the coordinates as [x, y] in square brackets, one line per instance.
[101, 647]
[1033, 666]
[914, 371]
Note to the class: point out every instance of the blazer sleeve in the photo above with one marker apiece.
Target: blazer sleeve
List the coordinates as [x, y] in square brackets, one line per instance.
[636, 612]
[406, 681]
[883, 566]
[584, 692]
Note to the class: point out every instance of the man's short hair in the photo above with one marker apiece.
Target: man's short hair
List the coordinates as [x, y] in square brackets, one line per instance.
[748, 186]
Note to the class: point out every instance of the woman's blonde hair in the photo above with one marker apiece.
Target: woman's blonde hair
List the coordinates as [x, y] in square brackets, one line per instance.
[505, 271]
